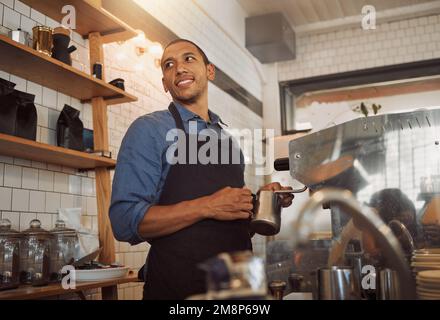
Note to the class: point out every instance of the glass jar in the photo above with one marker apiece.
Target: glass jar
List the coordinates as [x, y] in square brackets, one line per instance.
[65, 245]
[9, 256]
[35, 255]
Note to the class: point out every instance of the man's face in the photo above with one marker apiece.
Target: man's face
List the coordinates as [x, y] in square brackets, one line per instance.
[185, 74]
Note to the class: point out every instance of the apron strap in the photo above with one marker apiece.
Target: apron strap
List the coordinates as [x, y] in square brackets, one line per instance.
[177, 118]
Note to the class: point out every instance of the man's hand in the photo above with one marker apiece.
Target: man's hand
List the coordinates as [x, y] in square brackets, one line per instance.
[274, 186]
[230, 204]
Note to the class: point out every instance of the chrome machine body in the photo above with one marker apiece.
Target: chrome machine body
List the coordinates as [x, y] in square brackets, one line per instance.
[389, 163]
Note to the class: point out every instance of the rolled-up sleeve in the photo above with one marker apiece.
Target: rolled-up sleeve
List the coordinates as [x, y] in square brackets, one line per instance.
[135, 183]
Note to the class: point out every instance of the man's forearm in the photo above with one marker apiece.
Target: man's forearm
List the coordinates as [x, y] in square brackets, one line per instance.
[163, 220]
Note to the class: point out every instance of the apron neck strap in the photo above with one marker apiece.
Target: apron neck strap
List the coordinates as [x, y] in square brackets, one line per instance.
[177, 118]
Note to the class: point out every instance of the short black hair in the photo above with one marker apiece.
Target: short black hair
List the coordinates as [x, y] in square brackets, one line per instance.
[204, 56]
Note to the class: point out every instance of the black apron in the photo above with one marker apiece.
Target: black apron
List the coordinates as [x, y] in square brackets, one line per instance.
[172, 265]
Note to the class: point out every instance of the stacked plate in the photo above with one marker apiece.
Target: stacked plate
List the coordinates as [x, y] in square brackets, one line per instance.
[428, 285]
[425, 259]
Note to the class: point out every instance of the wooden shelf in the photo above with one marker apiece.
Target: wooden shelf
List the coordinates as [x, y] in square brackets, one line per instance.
[28, 292]
[139, 19]
[28, 63]
[27, 149]
[91, 17]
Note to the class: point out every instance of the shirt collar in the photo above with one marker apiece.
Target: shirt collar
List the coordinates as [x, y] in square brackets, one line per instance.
[189, 115]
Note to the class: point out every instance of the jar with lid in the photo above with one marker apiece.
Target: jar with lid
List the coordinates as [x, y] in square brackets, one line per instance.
[9, 256]
[35, 255]
[65, 245]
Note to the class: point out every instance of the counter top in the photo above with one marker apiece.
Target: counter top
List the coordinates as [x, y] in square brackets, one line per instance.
[29, 293]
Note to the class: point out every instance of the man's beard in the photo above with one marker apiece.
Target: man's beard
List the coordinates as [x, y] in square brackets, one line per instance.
[190, 100]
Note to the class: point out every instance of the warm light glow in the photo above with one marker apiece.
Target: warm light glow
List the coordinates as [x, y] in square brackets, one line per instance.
[156, 50]
[140, 38]
[139, 66]
[120, 56]
[140, 42]
[142, 46]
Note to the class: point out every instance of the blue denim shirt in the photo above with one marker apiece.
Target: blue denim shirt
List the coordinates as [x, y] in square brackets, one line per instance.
[142, 168]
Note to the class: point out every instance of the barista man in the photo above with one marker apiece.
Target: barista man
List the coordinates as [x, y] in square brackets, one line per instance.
[187, 212]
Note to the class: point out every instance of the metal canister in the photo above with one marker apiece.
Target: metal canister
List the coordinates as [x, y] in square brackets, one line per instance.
[388, 285]
[42, 39]
[19, 36]
[337, 283]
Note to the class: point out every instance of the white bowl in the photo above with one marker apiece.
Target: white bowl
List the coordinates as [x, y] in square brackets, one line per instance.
[101, 274]
[298, 296]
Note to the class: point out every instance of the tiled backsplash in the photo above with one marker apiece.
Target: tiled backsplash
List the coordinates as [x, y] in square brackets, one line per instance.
[353, 49]
[30, 189]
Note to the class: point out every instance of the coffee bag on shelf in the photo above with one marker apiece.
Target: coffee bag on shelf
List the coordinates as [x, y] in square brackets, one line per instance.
[8, 107]
[70, 129]
[26, 119]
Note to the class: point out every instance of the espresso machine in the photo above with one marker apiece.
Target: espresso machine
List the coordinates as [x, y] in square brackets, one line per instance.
[371, 173]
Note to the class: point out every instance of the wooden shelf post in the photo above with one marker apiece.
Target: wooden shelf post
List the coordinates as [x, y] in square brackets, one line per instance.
[103, 184]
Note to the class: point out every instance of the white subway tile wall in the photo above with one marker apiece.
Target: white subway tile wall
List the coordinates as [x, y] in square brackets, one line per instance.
[61, 182]
[20, 200]
[36, 90]
[42, 116]
[38, 17]
[37, 201]
[5, 198]
[53, 201]
[2, 170]
[9, 3]
[45, 180]
[20, 83]
[27, 24]
[67, 201]
[353, 49]
[49, 98]
[30, 178]
[11, 19]
[46, 187]
[1, 15]
[25, 10]
[13, 175]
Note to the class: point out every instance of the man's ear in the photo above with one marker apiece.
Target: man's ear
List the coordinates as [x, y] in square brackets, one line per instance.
[164, 85]
[211, 71]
